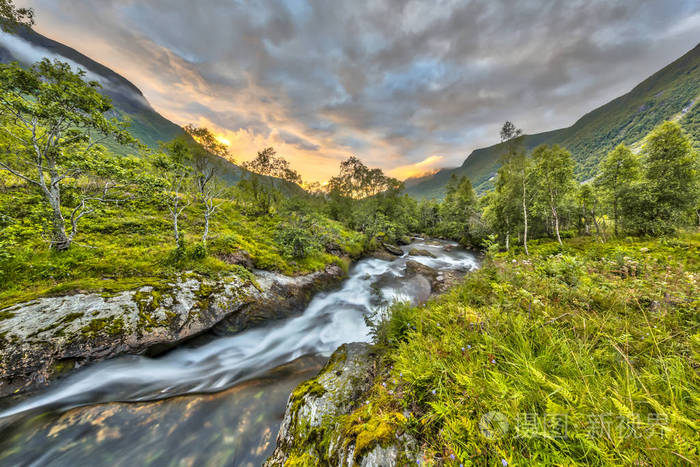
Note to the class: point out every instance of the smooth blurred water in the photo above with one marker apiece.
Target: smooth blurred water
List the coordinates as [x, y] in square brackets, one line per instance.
[271, 358]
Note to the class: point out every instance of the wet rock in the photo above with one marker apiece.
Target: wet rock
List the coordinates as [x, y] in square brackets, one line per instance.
[315, 405]
[405, 240]
[239, 257]
[48, 337]
[284, 296]
[394, 250]
[420, 287]
[383, 255]
[414, 267]
[440, 281]
[419, 252]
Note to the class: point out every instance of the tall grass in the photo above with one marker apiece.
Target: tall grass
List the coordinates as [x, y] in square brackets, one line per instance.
[586, 356]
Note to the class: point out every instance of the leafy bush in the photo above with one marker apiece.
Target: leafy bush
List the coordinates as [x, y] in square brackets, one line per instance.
[388, 327]
[567, 269]
[296, 238]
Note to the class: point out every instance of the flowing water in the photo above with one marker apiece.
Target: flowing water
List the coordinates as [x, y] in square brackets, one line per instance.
[217, 402]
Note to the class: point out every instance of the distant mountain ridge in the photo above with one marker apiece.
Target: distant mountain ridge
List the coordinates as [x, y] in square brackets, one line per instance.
[146, 124]
[28, 46]
[671, 93]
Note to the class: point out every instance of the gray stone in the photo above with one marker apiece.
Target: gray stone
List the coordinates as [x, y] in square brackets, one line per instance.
[394, 250]
[414, 267]
[420, 252]
[341, 386]
[45, 338]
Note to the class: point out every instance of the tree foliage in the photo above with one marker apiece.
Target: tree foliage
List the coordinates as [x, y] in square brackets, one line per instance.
[618, 175]
[670, 178]
[554, 172]
[12, 17]
[357, 181]
[53, 124]
[268, 163]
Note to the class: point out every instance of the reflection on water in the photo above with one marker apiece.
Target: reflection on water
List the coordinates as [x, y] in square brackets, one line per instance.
[237, 426]
[177, 410]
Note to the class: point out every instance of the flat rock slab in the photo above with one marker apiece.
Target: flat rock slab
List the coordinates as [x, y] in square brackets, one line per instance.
[48, 337]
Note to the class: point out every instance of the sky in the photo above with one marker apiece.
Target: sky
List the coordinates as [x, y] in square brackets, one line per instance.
[406, 86]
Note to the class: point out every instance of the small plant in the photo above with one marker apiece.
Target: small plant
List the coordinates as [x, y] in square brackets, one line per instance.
[179, 254]
[199, 251]
[491, 246]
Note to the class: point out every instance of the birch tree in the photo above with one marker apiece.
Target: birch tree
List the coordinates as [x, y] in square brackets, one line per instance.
[618, 174]
[53, 122]
[207, 184]
[177, 178]
[554, 169]
[519, 171]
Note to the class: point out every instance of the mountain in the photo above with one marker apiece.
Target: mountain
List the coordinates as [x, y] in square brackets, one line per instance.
[28, 46]
[671, 93]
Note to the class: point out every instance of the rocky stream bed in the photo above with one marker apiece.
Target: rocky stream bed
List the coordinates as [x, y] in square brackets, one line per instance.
[230, 353]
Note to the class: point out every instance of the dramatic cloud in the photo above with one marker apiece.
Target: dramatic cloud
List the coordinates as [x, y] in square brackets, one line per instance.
[404, 85]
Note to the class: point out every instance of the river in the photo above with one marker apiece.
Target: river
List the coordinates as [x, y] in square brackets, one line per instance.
[214, 401]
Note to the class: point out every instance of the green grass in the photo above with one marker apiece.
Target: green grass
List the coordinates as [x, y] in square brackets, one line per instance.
[591, 335]
[124, 247]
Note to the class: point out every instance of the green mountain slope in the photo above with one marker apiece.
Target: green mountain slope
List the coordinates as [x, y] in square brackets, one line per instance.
[151, 128]
[146, 124]
[670, 93]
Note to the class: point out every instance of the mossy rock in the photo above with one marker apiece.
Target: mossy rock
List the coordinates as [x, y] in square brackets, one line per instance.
[420, 252]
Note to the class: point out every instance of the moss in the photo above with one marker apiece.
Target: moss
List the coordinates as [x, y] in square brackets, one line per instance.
[311, 387]
[105, 287]
[100, 326]
[6, 315]
[378, 431]
[336, 359]
[69, 318]
[148, 302]
[374, 424]
[62, 366]
[301, 460]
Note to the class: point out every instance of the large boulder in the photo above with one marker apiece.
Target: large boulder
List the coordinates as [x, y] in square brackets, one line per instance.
[420, 252]
[415, 267]
[46, 338]
[310, 429]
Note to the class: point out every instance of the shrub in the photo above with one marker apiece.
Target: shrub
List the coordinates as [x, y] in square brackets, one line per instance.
[296, 240]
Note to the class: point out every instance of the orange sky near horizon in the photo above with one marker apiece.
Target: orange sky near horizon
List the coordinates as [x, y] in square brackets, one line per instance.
[406, 87]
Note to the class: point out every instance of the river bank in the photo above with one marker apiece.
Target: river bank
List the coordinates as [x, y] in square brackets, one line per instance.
[50, 337]
[212, 364]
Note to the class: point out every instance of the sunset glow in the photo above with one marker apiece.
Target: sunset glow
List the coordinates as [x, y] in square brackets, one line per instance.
[223, 140]
[408, 89]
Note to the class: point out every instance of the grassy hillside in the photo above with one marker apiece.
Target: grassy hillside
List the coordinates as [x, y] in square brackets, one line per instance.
[126, 245]
[627, 119]
[587, 354]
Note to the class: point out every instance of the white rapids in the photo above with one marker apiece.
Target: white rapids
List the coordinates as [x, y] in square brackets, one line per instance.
[331, 319]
